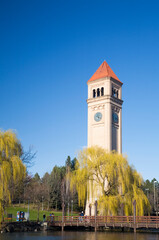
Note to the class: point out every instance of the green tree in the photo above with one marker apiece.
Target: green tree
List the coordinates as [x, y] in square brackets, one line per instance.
[36, 178]
[12, 169]
[68, 162]
[56, 177]
[148, 188]
[73, 164]
[46, 186]
[110, 173]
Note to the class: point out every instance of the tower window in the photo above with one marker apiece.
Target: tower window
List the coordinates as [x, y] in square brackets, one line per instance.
[114, 92]
[94, 93]
[102, 91]
[98, 92]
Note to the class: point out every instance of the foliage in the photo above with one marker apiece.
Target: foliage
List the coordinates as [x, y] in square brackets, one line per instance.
[46, 183]
[108, 176]
[60, 185]
[149, 187]
[36, 178]
[52, 189]
[12, 170]
[36, 193]
[56, 178]
[70, 164]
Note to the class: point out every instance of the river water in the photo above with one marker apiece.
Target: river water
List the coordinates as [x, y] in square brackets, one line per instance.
[79, 236]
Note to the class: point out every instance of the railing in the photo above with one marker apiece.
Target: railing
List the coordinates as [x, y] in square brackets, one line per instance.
[128, 221]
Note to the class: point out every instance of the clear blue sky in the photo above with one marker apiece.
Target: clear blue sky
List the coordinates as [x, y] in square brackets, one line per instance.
[48, 51]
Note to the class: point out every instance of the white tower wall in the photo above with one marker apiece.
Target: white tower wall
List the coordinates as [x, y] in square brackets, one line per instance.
[106, 132]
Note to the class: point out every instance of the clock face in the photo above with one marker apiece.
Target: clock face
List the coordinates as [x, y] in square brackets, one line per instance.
[115, 118]
[98, 116]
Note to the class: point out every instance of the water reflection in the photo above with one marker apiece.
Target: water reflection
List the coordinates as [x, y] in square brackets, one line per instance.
[79, 236]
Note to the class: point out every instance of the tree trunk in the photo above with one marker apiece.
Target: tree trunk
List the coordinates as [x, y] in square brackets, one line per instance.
[38, 213]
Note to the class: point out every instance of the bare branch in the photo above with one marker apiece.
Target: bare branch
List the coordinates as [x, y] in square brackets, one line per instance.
[28, 157]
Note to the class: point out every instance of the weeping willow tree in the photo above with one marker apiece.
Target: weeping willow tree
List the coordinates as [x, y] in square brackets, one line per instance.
[12, 170]
[110, 178]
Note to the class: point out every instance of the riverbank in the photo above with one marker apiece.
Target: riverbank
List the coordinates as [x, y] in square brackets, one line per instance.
[33, 226]
[28, 226]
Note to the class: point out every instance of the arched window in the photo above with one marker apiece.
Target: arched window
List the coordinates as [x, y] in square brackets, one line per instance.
[102, 91]
[94, 93]
[98, 92]
[114, 92]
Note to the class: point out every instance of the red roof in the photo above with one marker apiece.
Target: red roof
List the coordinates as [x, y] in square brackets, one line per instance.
[104, 71]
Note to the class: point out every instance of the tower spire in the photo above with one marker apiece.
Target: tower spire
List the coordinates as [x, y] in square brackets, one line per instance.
[104, 71]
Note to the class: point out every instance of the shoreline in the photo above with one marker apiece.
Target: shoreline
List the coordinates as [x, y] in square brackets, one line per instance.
[33, 226]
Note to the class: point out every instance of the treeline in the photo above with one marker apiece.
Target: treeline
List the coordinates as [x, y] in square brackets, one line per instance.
[53, 189]
[50, 191]
[151, 190]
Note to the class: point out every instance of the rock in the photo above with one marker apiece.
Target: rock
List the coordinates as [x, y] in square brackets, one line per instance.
[10, 228]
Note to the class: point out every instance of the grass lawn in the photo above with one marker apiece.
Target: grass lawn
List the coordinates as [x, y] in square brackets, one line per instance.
[33, 212]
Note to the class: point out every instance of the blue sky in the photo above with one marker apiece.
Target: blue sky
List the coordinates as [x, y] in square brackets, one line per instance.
[48, 51]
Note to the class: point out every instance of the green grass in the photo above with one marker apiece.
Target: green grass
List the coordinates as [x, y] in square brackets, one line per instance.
[33, 212]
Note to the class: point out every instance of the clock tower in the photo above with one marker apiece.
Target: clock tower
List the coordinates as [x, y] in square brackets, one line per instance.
[105, 109]
[104, 116]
